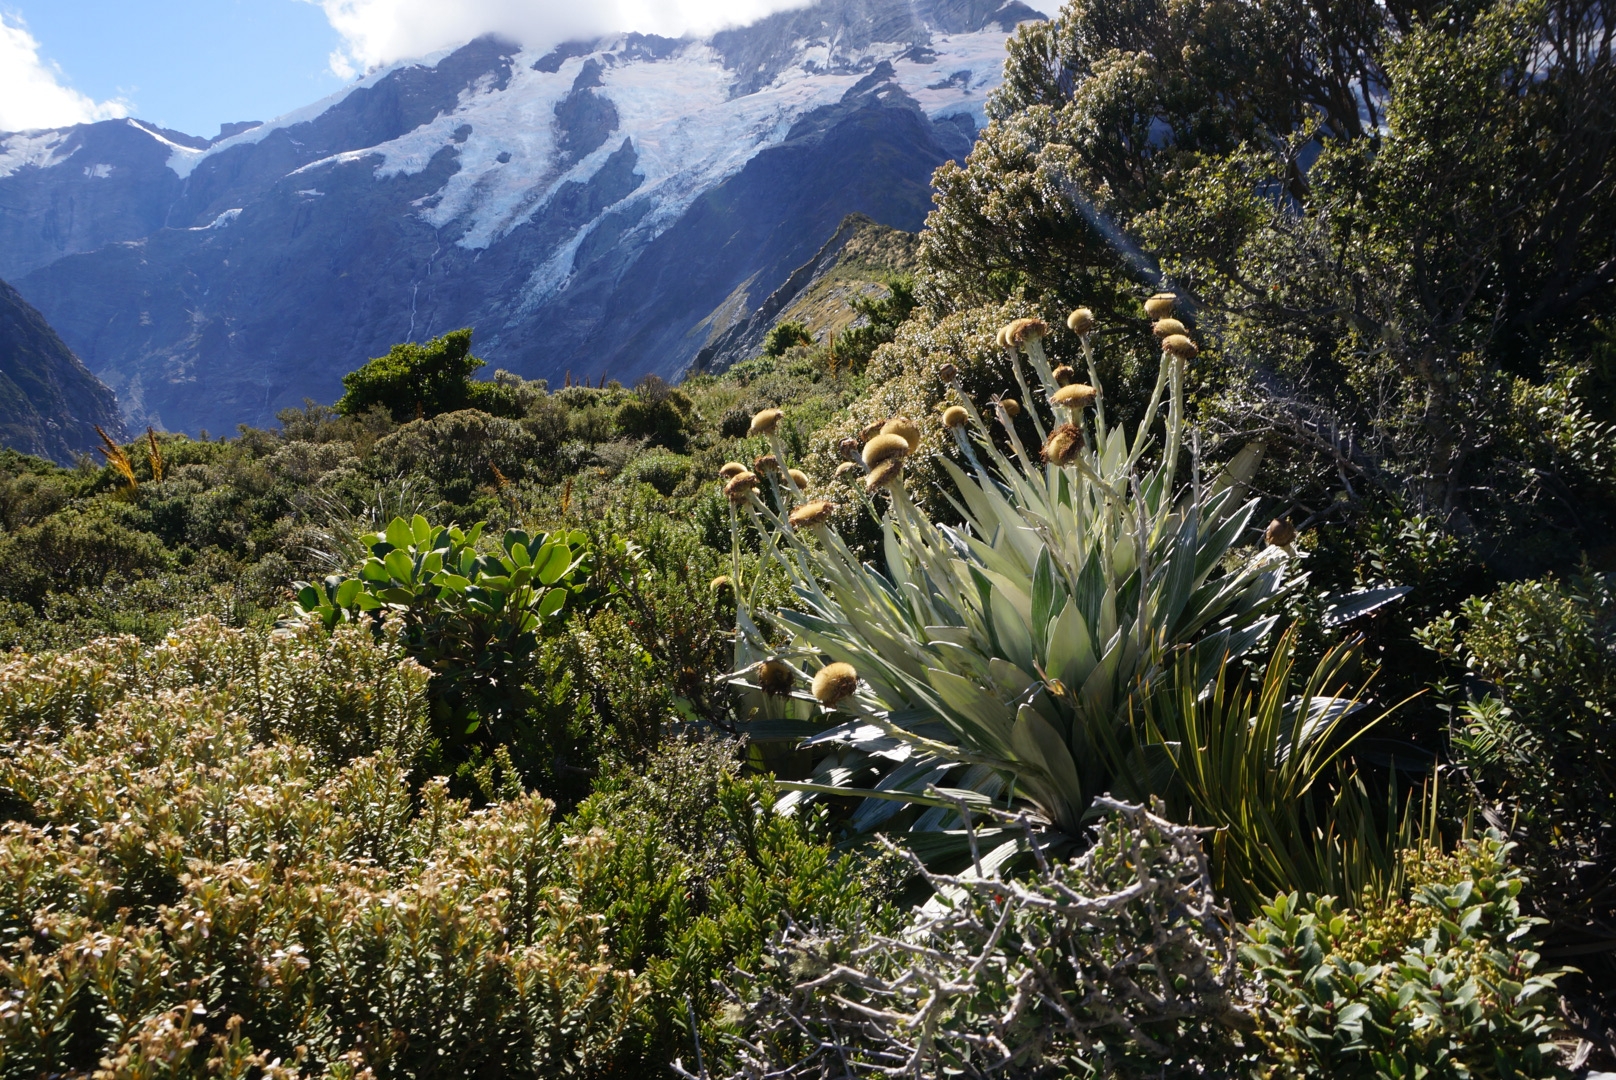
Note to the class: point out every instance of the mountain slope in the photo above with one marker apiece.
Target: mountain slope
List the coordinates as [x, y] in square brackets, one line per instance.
[49, 402]
[607, 207]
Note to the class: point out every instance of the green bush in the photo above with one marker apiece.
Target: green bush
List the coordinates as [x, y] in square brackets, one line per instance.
[662, 470]
[419, 381]
[474, 620]
[189, 888]
[76, 549]
[1440, 984]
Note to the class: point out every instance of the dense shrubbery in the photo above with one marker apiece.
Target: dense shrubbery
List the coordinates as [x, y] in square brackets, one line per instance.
[470, 811]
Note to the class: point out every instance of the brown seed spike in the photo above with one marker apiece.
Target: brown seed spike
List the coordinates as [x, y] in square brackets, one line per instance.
[1180, 346]
[883, 448]
[1280, 533]
[904, 428]
[883, 475]
[812, 513]
[1076, 396]
[1160, 306]
[1063, 444]
[835, 682]
[776, 678]
[765, 422]
[740, 487]
[1022, 331]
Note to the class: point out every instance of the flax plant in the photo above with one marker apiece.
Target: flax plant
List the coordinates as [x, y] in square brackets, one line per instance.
[1003, 662]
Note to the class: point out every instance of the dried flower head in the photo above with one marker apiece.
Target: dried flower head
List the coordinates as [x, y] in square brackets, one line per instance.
[834, 683]
[1011, 407]
[731, 470]
[776, 677]
[766, 463]
[1022, 331]
[740, 486]
[1165, 328]
[870, 431]
[1075, 396]
[1080, 321]
[955, 416]
[846, 469]
[885, 447]
[1280, 533]
[1004, 342]
[765, 422]
[883, 475]
[812, 513]
[849, 449]
[948, 373]
[1063, 444]
[799, 478]
[1160, 306]
[906, 429]
[1064, 374]
[722, 584]
[1180, 346]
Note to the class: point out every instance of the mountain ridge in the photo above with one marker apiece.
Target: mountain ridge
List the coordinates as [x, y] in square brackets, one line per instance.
[605, 207]
[50, 404]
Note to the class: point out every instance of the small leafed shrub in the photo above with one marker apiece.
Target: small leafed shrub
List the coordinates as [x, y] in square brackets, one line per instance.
[1440, 984]
[192, 886]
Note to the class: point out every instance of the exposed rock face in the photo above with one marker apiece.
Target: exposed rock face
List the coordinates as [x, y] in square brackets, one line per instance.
[49, 402]
[607, 207]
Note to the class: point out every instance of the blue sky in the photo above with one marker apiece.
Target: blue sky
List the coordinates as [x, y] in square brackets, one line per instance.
[186, 64]
[193, 65]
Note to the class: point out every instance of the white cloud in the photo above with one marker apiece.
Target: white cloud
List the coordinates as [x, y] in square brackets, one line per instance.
[32, 94]
[377, 32]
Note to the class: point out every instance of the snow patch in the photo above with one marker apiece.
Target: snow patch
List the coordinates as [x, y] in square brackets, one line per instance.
[98, 172]
[219, 222]
[37, 149]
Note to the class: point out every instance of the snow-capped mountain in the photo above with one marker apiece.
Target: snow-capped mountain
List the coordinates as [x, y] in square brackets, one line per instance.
[603, 208]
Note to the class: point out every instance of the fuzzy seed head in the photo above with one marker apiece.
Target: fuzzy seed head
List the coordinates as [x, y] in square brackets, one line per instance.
[948, 373]
[799, 478]
[870, 431]
[849, 449]
[1280, 533]
[765, 422]
[1024, 330]
[1080, 321]
[1160, 306]
[904, 428]
[776, 678]
[1004, 342]
[883, 475]
[1011, 407]
[1075, 396]
[1063, 444]
[731, 470]
[1165, 328]
[766, 463]
[885, 447]
[812, 513]
[955, 416]
[847, 469]
[1064, 374]
[740, 486]
[834, 683]
[1180, 346]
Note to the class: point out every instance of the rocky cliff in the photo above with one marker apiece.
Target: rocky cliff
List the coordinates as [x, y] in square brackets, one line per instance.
[49, 401]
